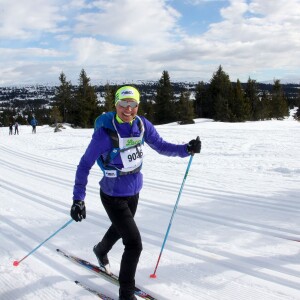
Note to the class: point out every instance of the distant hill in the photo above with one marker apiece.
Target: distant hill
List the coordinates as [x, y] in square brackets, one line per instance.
[40, 95]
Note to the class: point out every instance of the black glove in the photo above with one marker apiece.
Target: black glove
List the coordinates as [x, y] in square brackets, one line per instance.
[194, 146]
[78, 211]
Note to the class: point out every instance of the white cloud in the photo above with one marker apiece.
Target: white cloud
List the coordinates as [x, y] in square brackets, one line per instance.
[10, 53]
[235, 11]
[28, 65]
[110, 61]
[197, 2]
[252, 37]
[133, 39]
[131, 21]
[28, 18]
[90, 51]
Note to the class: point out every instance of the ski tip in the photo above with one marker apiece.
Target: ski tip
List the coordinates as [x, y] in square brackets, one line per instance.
[76, 281]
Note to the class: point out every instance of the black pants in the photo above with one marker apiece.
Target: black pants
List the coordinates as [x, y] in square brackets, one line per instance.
[121, 211]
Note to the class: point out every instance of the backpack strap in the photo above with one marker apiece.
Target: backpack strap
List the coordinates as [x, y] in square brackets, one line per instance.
[107, 122]
[114, 137]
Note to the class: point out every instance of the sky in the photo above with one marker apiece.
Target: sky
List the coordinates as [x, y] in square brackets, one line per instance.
[231, 237]
[117, 41]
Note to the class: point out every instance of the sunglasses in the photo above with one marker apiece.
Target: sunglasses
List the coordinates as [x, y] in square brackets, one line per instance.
[124, 103]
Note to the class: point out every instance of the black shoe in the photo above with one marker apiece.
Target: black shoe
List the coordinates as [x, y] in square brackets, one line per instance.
[102, 260]
[132, 297]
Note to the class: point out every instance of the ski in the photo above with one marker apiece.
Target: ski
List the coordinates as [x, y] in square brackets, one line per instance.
[86, 287]
[101, 272]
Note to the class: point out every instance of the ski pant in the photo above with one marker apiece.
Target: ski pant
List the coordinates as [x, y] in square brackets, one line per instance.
[121, 211]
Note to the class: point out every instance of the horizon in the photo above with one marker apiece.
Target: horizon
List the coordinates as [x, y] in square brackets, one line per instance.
[136, 83]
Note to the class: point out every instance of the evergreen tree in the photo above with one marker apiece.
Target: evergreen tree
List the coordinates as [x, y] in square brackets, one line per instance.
[246, 108]
[164, 110]
[220, 94]
[63, 95]
[148, 108]
[252, 96]
[86, 103]
[109, 97]
[142, 105]
[201, 100]
[56, 117]
[279, 104]
[185, 109]
[297, 115]
[42, 115]
[240, 108]
[264, 110]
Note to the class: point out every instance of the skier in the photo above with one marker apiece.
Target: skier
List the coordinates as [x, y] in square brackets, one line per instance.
[117, 145]
[16, 128]
[33, 123]
[10, 128]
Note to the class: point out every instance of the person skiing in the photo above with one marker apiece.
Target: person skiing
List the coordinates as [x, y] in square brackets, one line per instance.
[16, 128]
[10, 128]
[117, 145]
[33, 123]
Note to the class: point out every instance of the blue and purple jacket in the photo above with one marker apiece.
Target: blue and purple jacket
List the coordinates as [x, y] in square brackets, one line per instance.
[101, 144]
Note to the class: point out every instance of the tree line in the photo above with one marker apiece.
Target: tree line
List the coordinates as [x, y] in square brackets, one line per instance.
[80, 107]
[223, 101]
[219, 99]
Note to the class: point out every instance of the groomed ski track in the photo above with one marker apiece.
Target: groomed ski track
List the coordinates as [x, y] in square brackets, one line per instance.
[225, 243]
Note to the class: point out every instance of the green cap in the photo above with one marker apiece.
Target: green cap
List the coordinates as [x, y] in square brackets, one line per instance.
[127, 92]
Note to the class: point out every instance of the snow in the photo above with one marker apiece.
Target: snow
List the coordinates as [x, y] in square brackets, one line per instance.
[231, 237]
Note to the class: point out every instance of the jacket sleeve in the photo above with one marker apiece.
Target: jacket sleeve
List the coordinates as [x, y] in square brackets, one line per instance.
[99, 144]
[154, 140]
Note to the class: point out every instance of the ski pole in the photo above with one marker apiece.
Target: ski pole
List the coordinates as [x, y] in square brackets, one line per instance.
[16, 262]
[174, 210]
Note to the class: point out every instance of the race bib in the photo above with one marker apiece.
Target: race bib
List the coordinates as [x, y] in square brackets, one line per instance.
[133, 156]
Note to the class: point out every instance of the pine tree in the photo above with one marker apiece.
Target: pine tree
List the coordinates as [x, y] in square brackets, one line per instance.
[148, 108]
[63, 96]
[279, 105]
[142, 106]
[164, 108]
[264, 110]
[252, 96]
[239, 106]
[56, 117]
[201, 100]
[297, 114]
[220, 92]
[109, 96]
[186, 112]
[86, 102]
